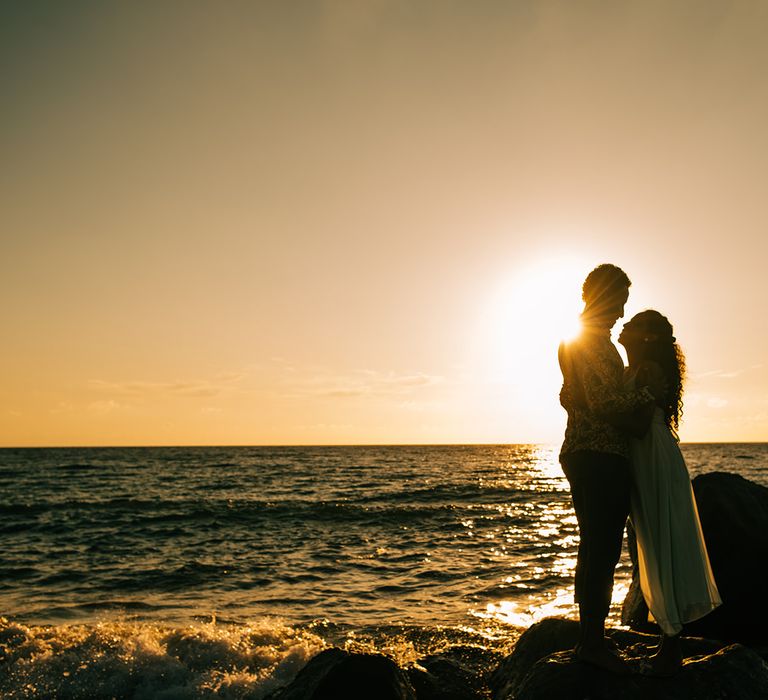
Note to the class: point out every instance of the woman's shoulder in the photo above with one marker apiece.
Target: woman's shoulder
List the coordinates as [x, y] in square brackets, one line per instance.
[650, 368]
[647, 372]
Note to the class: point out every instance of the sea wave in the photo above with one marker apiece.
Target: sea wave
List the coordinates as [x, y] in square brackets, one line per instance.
[364, 535]
[137, 660]
[144, 513]
[124, 659]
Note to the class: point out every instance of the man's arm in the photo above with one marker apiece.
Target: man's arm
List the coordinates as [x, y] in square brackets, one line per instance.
[571, 393]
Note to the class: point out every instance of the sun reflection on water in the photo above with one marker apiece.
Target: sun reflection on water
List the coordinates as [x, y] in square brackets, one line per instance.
[537, 539]
[557, 604]
[521, 614]
[547, 464]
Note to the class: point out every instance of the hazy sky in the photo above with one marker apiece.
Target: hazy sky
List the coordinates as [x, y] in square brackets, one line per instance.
[367, 221]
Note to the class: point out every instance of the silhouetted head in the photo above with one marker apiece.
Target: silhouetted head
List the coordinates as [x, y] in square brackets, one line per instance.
[605, 292]
[646, 332]
[648, 336]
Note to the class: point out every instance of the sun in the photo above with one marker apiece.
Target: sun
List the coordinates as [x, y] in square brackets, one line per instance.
[541, 304]
[526, 315]
[530, 311]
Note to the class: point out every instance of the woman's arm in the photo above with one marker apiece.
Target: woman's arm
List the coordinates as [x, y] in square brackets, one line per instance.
[637, 422]
[604, 393]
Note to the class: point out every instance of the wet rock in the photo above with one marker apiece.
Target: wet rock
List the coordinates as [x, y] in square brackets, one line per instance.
[732, 672]
[734, 518]
[457, 673]
[538, 670]
[335, 674]
[551, 635]
[429, 686]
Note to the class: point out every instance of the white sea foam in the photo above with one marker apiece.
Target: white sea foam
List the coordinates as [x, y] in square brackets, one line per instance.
[130, 659]
[407, 549]
[127, 659]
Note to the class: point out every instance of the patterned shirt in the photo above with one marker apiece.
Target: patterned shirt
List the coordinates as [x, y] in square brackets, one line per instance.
[593, 390]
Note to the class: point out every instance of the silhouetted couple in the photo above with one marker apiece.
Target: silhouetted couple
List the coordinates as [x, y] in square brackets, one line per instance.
[621, 456]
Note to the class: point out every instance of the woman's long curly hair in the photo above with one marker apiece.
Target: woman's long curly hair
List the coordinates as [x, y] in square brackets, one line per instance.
[660, 346]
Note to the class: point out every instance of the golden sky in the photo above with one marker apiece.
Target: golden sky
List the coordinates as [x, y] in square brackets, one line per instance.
[367, 222]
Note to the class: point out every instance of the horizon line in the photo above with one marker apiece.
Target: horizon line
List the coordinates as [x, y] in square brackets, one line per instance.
[356, 444]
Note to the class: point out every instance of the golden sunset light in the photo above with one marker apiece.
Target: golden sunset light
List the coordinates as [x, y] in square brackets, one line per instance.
[348, 343]
[369, 223]
[515, 343]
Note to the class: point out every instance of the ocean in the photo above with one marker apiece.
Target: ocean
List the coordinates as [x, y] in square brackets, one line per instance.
[219, 571]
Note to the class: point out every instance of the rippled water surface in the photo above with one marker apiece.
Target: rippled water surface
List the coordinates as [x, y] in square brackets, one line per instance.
[400, 546]
[355, 534]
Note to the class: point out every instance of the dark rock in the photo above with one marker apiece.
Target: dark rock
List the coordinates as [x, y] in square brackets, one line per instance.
[734, 518]
[475, 660]
[459, 672]
[732, 672]
[556, 677]
[538, 670]
[432, 687]
[551, 635]
[335, 674]
[639, 644]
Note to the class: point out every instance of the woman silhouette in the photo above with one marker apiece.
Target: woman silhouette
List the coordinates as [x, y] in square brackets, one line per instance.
[675, 575]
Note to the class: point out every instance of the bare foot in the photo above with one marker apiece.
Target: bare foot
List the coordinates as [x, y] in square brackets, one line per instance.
[664, 665]
[667, 660]
[604, 658]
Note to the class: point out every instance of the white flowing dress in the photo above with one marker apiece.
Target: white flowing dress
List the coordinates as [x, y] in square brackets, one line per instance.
[675, 575]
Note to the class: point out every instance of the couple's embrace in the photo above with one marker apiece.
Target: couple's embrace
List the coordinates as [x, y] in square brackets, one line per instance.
[621, 458]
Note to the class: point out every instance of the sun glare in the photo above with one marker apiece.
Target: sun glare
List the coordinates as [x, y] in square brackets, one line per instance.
[546, 299]
[527, 314]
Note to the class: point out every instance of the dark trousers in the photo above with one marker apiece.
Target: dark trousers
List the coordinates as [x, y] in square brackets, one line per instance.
[600, 484]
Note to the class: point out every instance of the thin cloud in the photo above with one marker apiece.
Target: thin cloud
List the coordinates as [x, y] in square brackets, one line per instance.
[104, 407]
[187, 389]
[726, 374]
[324, 426]
[211, 410]
[358, 383]
[423, 406]
[230, 377]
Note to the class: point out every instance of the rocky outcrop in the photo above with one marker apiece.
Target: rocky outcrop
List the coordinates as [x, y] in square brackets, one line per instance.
[734, 518]
[542, 667]
[540, 640]
[458, 672]
[335, 674]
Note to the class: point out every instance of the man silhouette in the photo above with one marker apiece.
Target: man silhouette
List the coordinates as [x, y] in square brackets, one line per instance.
[595, 454]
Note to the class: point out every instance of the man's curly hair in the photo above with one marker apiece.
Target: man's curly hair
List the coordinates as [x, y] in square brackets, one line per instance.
[604, 281]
